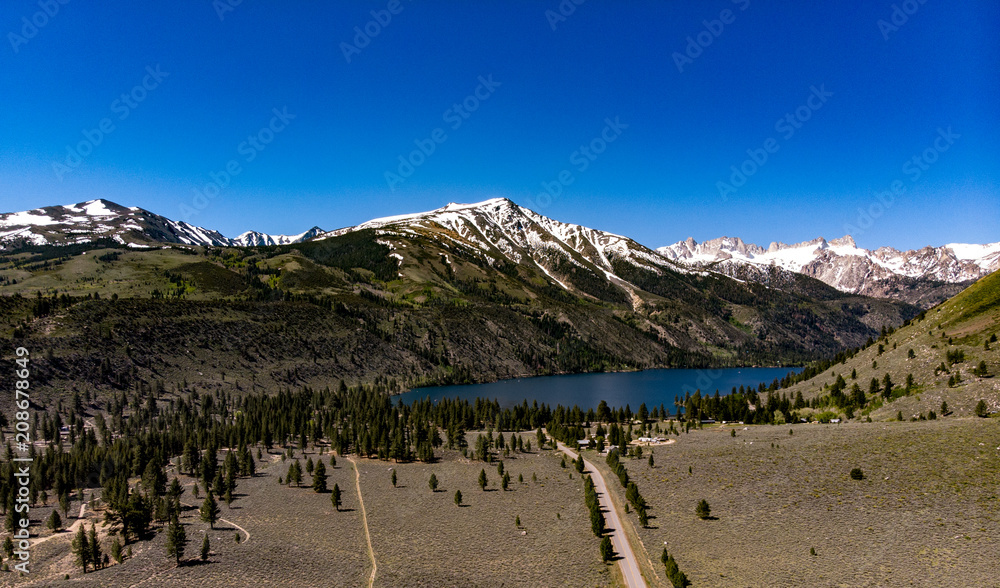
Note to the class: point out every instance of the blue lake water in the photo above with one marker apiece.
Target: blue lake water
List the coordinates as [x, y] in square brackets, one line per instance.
[654, 387]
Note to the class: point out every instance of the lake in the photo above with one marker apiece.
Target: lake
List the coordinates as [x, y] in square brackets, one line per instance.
[654, 387]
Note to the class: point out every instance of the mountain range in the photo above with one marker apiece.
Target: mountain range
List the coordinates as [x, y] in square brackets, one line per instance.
[464, 293]
[923, 277]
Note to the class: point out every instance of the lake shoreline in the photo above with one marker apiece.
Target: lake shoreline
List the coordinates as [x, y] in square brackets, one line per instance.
[654, 387]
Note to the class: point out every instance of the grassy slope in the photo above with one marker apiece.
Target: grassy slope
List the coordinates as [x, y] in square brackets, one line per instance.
[968, 319]
[926, 513]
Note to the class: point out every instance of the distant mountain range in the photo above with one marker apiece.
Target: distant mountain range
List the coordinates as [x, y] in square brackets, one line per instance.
[923, 277]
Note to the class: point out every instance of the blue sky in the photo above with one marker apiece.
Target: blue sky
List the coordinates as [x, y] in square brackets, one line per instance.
[671, 119]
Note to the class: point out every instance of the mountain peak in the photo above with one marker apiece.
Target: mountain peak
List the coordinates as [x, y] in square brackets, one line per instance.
[845, 241]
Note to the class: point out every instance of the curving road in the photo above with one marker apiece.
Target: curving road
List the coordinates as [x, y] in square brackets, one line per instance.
[630, 567]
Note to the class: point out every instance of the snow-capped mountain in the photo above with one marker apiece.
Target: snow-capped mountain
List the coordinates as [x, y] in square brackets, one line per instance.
[520, 235]
[102, 219]
[258, 239]
[504, 235]
[843, 265]
[99, 219]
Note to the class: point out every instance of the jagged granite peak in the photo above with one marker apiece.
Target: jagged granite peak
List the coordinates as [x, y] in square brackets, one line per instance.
[884, 272]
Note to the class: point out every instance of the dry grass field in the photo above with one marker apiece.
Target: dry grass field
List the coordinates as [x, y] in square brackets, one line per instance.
[423, 539]
[927, 512]
[420, 538]
[296, 539]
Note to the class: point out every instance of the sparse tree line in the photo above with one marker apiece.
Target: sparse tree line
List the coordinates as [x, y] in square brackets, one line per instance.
[597, 522]
[140, 434]
[631, 490]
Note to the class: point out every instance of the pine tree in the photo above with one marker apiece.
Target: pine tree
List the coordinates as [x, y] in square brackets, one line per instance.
[54, 521]
[607, 550]
[96, 556]
[335, 497]
[210, 510]
[393, 478]
[482, 479]
[116, 550]
[205, 549]
[703, 510]
[81, 549]
[294, 475]
[319, 477]
[176, 539]
[458, 497]
[433, 483]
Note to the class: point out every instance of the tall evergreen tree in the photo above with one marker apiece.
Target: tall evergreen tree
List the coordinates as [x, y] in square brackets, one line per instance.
[210, 510]
[81, 549]
[335, 497]
[607, 551]
[96, 555]
[176, 539]
[319, 477]
[54, 521]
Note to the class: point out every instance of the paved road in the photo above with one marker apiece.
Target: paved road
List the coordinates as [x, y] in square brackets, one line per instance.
[630, 567]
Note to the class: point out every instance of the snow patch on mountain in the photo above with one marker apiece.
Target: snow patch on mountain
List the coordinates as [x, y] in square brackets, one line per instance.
[841, 263]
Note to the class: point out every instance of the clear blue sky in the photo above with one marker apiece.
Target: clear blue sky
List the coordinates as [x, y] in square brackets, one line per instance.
[657, 181]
